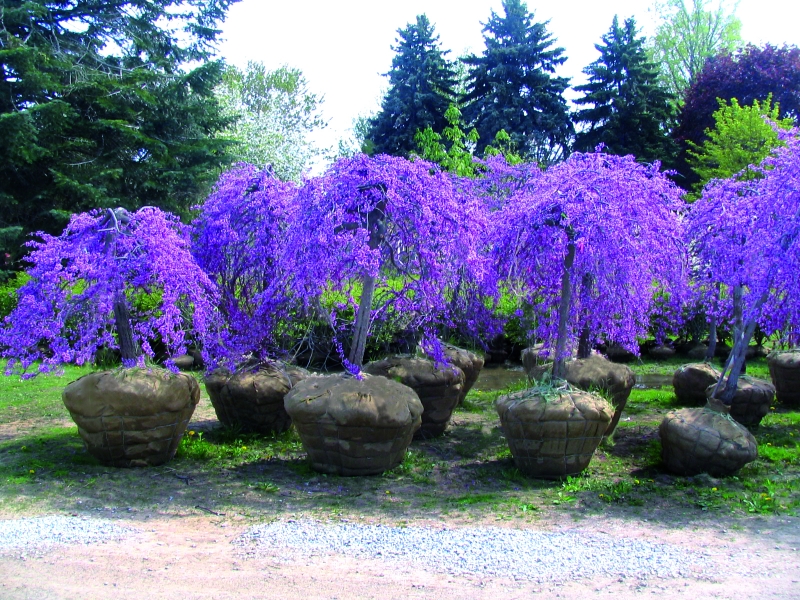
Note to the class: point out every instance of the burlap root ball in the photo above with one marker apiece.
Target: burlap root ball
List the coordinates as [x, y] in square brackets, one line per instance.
[354, 427]
[132, 417]
[697, 352]
[691, 381]
[536, 362]
[784, 370]
[555, 433]
[661, 352]
[705, 440]
[618, 354]
[469, 362]
[251, 398]
[439, 389]
[599, 374]
[752, 400]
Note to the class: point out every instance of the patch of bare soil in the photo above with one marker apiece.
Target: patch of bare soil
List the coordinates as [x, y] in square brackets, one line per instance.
[190, 557]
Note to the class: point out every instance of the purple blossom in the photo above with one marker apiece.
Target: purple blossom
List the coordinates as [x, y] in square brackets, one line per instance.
[618, 223]
[746, 250]
[405, 226]
[240, 241]
[66, 311]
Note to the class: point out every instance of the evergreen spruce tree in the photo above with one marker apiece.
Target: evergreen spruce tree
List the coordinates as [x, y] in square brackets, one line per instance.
[105, 104]
[628, 110]
[512, 86]
[421, 89]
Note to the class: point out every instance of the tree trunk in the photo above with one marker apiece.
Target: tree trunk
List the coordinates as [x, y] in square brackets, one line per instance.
[122, 321]
[584, 345]
[736, 363]
[712, 339]
[376, 229]
[560, 359]
[362, 322]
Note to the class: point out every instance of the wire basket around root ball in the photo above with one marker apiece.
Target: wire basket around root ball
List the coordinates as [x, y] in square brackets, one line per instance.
[553, 433]
[132, 417]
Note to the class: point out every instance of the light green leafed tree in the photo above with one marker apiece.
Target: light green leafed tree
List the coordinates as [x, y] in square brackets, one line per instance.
[275, 114]
[688, 33]
[741, 137]
[454, 148]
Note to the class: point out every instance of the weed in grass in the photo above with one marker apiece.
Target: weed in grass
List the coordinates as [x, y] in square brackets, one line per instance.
[562, 498]
[267, 487]
[513, 475]
[759, 503]
[417, 465]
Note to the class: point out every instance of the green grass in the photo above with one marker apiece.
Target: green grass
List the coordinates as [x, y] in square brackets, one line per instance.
[468, 473]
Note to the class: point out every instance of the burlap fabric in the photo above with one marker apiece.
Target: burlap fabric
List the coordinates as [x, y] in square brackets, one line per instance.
[536, 363]
[618, 354]
[132, 417]
[705, 440]
[439, 389]
[599, 374]
[554, 434]
[784, 370]
[691, 381]
[354, 427]
[697, 352]
[252, 397]
[467, 361]
[661, 352]
[752, 400]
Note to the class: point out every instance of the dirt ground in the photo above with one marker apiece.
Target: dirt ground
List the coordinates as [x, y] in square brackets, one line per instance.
[188, 557]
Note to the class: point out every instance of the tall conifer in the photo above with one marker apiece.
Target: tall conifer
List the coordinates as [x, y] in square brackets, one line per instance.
[513, 86]
[421, 89]
[627, 109]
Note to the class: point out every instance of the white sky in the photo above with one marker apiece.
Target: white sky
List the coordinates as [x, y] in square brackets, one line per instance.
[343, 46]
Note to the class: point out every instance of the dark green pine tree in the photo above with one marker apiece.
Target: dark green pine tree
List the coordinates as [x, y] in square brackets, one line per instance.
[629, 111]
[105, 104]
[512, 86]
[421, 89]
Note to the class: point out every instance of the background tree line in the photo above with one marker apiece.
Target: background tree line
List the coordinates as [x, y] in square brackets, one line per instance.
[653, 98]
[125, 103]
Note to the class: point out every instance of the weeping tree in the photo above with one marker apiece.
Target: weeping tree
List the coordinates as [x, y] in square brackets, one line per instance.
[239, 240]
[744, 234]
[391, 237]
[112, 279]
[591, 245]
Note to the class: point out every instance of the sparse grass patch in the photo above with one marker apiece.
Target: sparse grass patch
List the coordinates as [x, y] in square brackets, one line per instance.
[469, 472]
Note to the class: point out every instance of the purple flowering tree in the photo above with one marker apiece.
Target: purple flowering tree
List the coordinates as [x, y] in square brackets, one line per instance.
[392, 236]
[745, 244]
[113, 279]
[591, 245]
[239, 240]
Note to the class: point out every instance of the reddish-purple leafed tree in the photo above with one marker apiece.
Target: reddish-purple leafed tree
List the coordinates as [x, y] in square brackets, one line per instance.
[752, 73]
[239, 239]
[746, 245]
[394, 236]
[591, 245]
[114, 279]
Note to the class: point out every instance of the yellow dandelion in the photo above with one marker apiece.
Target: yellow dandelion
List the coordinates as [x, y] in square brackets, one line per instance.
[191, 433]
[31, 471]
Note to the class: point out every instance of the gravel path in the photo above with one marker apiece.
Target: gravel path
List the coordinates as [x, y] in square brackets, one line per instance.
[484, 551]
[33, 535]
